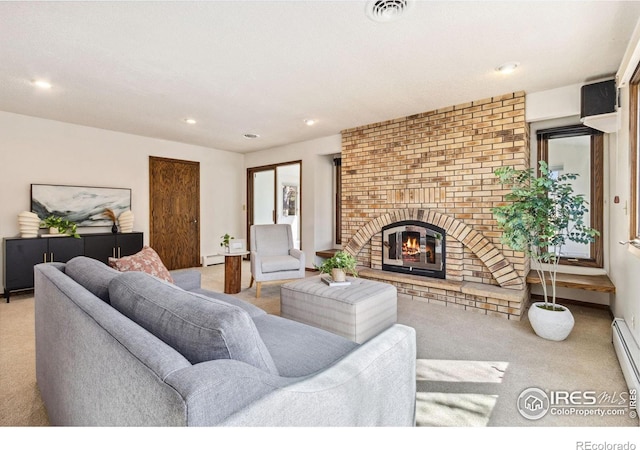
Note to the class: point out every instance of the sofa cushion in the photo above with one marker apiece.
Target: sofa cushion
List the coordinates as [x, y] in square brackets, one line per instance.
[91, 274]
[187, 279]
[146, 260]
[298, 349]
[199, 327]
[279, 263]
[253, 310]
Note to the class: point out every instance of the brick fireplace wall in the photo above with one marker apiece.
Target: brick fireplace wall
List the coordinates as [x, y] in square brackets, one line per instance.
[440, 162]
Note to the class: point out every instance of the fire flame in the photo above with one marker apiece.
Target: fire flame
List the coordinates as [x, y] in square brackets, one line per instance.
[411, 247]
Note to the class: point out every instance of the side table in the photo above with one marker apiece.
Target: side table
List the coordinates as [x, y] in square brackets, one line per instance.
[233, 272]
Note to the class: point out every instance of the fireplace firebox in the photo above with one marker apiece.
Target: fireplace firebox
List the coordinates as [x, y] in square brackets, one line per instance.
[414, 247]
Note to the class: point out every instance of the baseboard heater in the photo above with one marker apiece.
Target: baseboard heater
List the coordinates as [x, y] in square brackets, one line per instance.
[628, 353]
[212, 259]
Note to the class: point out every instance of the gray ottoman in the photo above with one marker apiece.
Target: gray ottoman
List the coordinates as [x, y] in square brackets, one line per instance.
[357, 312]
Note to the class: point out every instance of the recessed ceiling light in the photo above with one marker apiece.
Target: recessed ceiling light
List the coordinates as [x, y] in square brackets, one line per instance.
[190, 121]
[507, 68]
[251, 136]
[309, 122]
[42, 84]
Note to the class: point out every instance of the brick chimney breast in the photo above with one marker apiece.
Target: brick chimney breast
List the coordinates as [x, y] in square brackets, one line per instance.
[437, 167]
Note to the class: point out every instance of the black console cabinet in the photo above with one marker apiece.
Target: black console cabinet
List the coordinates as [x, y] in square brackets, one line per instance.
[20, 255]
[108, 245]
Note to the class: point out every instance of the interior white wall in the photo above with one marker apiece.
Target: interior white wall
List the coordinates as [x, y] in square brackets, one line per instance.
[553, 103]
[36, 150]
[316, 192]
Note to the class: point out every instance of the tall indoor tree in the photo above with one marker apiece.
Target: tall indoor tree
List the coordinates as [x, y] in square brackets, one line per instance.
[541, 214]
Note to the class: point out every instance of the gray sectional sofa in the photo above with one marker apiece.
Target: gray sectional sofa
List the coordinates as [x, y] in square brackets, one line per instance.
[127, 349]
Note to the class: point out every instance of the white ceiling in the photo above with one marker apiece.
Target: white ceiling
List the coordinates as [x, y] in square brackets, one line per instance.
[263, 66]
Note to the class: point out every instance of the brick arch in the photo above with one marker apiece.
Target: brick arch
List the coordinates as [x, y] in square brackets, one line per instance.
[501, 269]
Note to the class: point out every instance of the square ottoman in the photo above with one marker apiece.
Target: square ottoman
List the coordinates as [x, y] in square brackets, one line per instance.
[357, 312]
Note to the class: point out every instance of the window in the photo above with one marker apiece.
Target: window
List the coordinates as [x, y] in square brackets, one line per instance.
[578, 149]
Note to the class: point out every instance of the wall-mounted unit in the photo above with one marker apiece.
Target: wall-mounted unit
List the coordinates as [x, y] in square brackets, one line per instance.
[599, 106]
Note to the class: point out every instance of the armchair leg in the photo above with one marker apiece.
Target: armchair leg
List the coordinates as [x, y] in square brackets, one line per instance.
[258, 286]
[251, 283]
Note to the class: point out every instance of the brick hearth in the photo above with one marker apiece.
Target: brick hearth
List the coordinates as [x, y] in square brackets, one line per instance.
[438, 167]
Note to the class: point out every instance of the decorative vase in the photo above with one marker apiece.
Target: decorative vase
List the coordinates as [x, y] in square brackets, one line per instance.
[53, 230]
[28, 223]
[114, 228]
[125, 220]
[338, 275]
[551, 325]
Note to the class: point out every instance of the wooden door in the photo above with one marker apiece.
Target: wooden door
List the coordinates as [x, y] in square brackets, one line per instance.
[174, 202]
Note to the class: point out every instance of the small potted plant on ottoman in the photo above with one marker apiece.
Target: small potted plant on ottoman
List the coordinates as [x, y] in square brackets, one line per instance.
[339, 265]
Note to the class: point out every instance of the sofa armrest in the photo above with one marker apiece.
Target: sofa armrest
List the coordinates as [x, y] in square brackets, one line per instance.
[374, 385]
[298, 254]
[256, 264]
[187, 279]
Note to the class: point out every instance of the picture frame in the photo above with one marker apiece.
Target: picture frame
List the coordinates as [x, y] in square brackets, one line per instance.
[83, 205]
[289, 200]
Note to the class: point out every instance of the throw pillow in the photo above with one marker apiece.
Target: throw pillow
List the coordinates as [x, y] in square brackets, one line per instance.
[146, 260]
[199, 327]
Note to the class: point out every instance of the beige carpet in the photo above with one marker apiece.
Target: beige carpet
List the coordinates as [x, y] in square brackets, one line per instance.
[471, 368]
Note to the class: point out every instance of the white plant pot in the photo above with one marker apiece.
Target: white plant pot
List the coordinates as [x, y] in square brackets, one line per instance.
[551, 325]
[338, 275]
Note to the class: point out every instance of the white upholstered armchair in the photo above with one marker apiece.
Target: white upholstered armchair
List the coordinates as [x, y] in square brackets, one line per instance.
[273, 257]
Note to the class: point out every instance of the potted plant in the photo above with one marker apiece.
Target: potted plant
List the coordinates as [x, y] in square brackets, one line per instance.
[226, 240]
[339, 265]
[543, 214]
[57, 225]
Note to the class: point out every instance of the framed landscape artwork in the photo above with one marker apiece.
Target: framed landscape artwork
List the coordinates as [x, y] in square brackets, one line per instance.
[83, 205]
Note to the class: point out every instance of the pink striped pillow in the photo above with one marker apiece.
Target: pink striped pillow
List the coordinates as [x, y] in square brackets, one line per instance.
[146, 260]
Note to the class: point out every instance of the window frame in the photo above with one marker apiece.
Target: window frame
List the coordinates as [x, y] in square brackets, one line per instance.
[634, 157]
[596, 204]
[337, 162]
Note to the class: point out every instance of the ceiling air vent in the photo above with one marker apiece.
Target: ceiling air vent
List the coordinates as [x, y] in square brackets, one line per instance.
[387, 10]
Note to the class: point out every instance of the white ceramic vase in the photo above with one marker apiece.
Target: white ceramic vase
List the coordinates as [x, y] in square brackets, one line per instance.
[28, 223]
[125, 220]
[551, 325]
